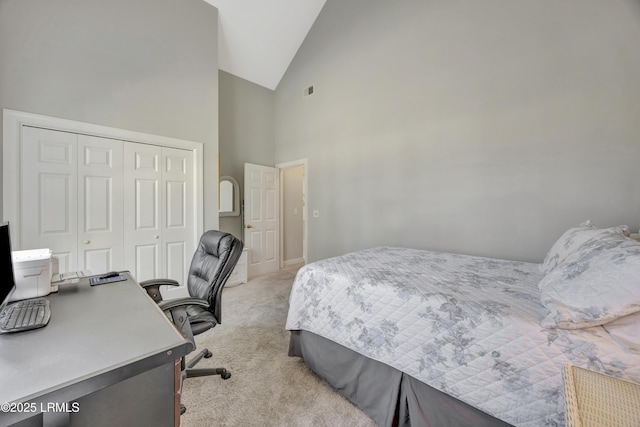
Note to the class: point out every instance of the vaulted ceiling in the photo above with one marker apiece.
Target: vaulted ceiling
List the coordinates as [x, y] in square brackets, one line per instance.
[257, 39]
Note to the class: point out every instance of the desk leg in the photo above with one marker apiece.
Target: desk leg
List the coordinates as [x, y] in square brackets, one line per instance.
[177, 391]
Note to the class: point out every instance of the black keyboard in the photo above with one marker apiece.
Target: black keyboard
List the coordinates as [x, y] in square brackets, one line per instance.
[25, 315]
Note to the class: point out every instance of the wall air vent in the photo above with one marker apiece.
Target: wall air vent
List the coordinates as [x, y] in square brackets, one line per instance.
[308, 91]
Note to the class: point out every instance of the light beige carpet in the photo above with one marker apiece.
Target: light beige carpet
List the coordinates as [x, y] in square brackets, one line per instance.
[267, 387]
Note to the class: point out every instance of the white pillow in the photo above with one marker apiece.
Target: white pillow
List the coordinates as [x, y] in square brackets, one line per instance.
[563, 245]
[626, 332]
[596, 285]
[573, 239]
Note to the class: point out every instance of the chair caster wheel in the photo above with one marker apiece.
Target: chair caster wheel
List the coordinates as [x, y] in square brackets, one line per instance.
[225, 375]
[208, 354]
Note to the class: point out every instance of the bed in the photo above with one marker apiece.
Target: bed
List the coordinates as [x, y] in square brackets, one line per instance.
[415, 337]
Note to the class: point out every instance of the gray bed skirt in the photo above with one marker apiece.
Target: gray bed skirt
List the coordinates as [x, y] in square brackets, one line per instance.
[390, 397]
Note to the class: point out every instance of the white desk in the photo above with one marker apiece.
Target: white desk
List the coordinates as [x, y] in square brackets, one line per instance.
[107, 357]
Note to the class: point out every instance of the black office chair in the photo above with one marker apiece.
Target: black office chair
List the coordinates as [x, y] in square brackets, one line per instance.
[216, 256]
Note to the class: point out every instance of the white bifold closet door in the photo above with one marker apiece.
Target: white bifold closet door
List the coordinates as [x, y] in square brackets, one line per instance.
[102, 204]
[72, 198]
[158, 238]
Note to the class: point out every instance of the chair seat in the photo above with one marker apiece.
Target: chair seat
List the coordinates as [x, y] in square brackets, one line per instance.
[200, 319]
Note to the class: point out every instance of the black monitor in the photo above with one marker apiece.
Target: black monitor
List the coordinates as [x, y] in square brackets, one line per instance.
[7, 281]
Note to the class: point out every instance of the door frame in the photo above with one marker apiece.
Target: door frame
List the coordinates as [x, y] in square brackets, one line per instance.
[13, 121]
[305, 195]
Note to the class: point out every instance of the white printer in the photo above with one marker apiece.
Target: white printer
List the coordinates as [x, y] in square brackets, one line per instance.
[32, 272]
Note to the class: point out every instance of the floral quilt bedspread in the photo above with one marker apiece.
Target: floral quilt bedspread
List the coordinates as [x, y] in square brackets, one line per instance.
[468, 326]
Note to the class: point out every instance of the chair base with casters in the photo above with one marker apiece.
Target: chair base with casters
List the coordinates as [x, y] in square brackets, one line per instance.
[192, 372]
[189, 371]
[212, 264]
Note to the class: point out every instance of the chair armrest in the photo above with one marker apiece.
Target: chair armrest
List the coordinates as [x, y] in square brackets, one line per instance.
[179, 302]
[176, 309]
[159, 282]
[153, 287]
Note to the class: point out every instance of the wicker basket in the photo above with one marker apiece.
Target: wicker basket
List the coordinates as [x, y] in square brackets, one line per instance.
[596, 400]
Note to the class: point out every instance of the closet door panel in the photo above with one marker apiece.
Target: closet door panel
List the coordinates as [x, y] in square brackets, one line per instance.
[100, 220]
[147, 261]
[178, 225]
[99, 261]
[49, 195]
[176, 256]
[143, 215]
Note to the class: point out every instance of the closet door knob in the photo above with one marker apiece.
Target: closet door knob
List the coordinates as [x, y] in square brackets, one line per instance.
[156, 236]
[86, 242]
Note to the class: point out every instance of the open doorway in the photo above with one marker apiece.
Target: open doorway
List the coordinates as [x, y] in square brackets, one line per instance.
[293, 217]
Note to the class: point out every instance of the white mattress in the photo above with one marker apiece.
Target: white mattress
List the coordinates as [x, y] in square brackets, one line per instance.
[468, 326]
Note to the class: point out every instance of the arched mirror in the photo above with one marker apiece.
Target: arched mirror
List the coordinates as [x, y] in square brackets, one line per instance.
[229, 193]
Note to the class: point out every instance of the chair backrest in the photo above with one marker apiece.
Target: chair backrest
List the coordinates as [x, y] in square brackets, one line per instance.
[216, 256]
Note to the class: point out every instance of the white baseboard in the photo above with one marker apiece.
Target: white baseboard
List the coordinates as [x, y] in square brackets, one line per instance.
[293, 262]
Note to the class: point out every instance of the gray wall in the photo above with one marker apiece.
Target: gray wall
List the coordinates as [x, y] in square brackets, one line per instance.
[477, 127]
[246, 133]
[147, 65]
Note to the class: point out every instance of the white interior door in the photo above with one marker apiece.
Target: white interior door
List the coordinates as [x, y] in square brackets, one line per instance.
[48, 202]
[262, 224]
[100, 219]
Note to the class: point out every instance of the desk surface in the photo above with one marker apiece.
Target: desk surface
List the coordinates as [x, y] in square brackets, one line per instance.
[97, 336]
